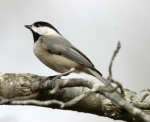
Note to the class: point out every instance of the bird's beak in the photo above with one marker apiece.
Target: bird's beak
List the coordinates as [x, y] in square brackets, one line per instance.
[28, 26]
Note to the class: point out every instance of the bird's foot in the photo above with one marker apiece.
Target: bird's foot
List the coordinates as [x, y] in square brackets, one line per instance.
[42, 82]
[56, 85]
[54, 82]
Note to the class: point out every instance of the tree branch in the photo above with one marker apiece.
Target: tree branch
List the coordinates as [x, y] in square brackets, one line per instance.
[112, 59]
[76, 94]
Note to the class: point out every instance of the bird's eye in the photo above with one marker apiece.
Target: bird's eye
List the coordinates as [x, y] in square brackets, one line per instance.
[37, 25]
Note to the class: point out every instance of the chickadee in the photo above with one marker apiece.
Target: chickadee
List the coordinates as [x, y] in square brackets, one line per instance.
[58, 53]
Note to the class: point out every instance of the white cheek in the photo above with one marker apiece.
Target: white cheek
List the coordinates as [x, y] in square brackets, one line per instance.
[45, 31]
[39, 30]
[42, 31]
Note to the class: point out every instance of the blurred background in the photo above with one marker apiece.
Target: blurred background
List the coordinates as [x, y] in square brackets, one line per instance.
[93, 26]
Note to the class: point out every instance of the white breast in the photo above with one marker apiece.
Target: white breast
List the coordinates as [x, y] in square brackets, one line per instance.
[53, 61]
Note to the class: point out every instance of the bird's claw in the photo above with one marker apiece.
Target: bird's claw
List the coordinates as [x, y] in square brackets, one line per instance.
[42, 82]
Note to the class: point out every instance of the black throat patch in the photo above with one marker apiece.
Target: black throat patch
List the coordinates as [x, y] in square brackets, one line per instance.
[35, 36]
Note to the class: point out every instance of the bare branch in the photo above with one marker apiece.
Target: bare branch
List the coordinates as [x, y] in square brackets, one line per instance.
[37, 102]
[112, 59]
[110, 68]
[76, 94]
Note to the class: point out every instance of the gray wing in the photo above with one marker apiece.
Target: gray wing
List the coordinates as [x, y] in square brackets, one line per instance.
[60, 46]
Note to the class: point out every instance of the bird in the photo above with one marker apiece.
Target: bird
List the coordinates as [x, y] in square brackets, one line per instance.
[57, 53]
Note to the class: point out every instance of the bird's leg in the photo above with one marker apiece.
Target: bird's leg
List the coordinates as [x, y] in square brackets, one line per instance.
[44, 80]
[55, 85]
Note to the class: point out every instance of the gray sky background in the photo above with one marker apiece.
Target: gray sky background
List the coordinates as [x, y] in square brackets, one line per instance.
[93, 26]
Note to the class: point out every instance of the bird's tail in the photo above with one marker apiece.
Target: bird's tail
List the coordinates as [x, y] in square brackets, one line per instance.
[94, 72]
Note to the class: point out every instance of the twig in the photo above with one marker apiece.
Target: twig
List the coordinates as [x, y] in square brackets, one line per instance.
[112, 59]
[119, 86]
[21, 98]
[37, 102]
[110, 69]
